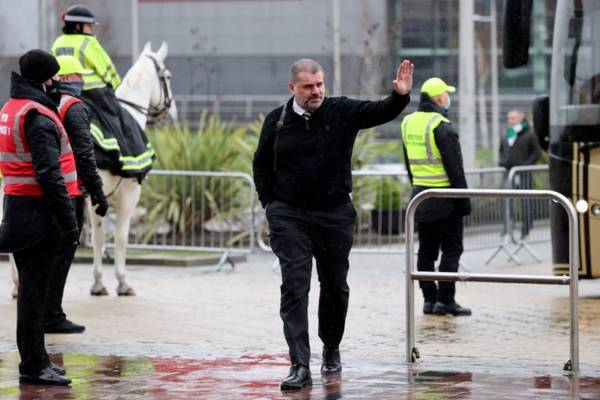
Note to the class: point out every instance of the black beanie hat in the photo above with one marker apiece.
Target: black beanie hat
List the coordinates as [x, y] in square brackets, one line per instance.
[38, 65]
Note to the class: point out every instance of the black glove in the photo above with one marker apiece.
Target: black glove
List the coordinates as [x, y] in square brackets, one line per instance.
[70, 238]
[99, 200]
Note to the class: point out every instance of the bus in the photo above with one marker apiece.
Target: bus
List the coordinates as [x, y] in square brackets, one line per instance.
[567, 122]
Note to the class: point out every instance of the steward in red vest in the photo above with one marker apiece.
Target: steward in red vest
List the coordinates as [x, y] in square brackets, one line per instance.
[39, 181]
[75, 119]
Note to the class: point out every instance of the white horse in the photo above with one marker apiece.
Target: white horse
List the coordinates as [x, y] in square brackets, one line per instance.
[145, 92]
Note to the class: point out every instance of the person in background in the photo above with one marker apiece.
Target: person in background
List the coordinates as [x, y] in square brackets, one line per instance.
[519, 147]
[434, 160]
[75, 119]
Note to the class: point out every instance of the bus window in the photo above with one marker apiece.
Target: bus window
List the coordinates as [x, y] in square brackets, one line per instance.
[575, 94]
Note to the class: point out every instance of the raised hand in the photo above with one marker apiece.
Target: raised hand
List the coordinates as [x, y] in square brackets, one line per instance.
[404, 77]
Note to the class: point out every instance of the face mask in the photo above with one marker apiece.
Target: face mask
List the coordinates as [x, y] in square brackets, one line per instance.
[74, 88]
[449, 103]
[53, 92]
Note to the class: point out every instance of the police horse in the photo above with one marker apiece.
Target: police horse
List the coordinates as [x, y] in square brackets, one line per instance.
[145, 93]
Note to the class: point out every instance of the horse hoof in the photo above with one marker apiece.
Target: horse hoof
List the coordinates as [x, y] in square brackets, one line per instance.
[127, 292]
[101, 292]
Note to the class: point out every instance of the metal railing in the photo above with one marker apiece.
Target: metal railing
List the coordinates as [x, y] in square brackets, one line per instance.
[572, 280]
[196, 210]
[381, 197]
[527, 214]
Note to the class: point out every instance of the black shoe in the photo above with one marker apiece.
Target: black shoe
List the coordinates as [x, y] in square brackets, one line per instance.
[298, 378]
[332, 363]
[64, 326]
[59, 370]
[450, 308]
[46, 376]
[428, 307]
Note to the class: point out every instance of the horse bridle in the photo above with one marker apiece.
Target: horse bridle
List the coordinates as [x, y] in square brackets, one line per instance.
[166, 97]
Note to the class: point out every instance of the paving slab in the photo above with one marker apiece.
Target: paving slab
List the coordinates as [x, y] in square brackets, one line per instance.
[197, 333]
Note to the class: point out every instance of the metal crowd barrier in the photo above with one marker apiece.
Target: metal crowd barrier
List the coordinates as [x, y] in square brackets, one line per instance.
[381, 197]
[572, 280]
[196, 210]
[530, 219]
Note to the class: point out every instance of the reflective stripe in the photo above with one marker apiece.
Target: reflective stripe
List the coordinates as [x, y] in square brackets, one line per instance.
[94, 85]
[426, 162]
[15, 157]
[84, 45]
[428, 150]
[79, 18]
[11, 180]
[105, 143]
[140, 162]
[70, 177]
[17, 128]
[442, 176]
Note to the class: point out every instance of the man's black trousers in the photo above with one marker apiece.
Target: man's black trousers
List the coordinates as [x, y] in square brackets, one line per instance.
[297, 235]
[58, 278]
[35, 267]
[445, 234]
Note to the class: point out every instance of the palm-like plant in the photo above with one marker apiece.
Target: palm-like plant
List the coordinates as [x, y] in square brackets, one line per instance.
[185, 201]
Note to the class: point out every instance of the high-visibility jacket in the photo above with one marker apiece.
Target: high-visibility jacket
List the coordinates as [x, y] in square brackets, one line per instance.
[15, 157]
[92, 56]
[423, 154]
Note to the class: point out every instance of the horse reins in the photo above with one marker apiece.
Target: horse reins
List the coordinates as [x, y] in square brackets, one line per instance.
[165, 94]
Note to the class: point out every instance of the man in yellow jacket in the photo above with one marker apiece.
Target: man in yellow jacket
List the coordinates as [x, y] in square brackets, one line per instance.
[433, 160]
[78, 40]
[108, 118]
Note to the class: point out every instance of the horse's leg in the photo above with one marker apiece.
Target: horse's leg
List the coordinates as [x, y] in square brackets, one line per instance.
[126, 200]
[98, 239]
[14, 275]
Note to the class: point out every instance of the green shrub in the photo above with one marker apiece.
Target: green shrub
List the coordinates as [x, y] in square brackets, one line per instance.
[390, 193]
[214, 146]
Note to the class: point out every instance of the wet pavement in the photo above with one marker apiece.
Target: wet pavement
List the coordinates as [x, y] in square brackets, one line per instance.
[193, 333]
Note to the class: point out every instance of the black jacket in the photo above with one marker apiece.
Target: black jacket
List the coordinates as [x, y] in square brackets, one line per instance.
[446, 139]
[525, 150]
[77, 125]
[28, 219]
[312, 166]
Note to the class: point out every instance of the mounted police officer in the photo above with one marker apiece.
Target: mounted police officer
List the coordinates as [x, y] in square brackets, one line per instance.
[78, 40]
[40, 179]
[74, 116]
[109, 120]
[433, 160]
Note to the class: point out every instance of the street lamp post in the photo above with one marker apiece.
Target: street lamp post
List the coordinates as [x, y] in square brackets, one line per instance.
[466, 82]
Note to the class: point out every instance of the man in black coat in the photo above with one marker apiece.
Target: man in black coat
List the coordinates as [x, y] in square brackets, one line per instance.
[302, 172]
[519, 147]
[77, 124]
[34, 225]
[439, 220]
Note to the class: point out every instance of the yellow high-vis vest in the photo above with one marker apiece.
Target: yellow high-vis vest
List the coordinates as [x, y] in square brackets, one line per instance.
[92, 56]
[423, 154]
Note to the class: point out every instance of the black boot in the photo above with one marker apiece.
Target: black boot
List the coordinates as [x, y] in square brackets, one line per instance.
[46, 376]
[59, 370]
[63, 326]
[298, 378]
[452, 308]
[332, 363]
[428, 307]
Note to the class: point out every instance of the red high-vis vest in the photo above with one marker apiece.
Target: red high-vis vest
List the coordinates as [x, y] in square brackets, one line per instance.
[66, 101]
[15, 157]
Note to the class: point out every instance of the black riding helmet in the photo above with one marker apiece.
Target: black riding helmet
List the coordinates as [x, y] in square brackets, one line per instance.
[75, 17]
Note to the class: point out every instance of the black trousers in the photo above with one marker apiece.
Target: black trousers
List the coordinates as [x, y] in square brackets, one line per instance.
[34, 265]
[297, 235]
[445, 234]
[58, 278]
